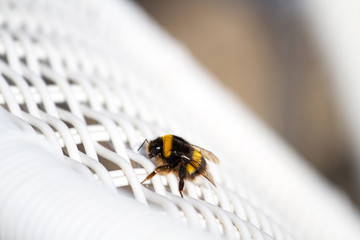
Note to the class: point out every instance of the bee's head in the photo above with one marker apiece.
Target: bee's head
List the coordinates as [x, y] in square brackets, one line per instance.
[154, 147]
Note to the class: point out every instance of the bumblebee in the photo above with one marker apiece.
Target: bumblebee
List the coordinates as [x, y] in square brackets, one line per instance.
[175, 155]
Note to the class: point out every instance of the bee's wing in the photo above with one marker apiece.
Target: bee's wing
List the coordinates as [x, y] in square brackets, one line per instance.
[207, 154]
[206, 174]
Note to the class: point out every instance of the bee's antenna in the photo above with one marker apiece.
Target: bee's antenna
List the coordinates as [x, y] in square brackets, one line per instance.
[143, 143]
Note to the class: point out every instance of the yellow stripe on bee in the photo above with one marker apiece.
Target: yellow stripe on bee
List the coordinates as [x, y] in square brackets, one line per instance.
[167, 145]
[190, 169]
[196, 157]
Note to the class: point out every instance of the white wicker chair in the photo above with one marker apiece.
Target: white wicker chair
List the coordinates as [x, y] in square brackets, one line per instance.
[82, 84]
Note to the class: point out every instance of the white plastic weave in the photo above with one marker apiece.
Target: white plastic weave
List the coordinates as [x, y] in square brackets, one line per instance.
[97, 78]
[42, 197]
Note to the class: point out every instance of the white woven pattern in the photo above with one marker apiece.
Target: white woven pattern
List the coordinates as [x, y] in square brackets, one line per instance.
[42, 197]
[96, 79]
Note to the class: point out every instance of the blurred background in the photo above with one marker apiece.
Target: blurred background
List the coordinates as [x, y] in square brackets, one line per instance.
[262, 51]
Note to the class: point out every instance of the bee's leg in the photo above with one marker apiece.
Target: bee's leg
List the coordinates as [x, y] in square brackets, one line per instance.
[150, 176]
[182, 175]
[162, 170]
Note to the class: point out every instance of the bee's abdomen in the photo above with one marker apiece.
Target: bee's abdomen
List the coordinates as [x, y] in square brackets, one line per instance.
[195, 163]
